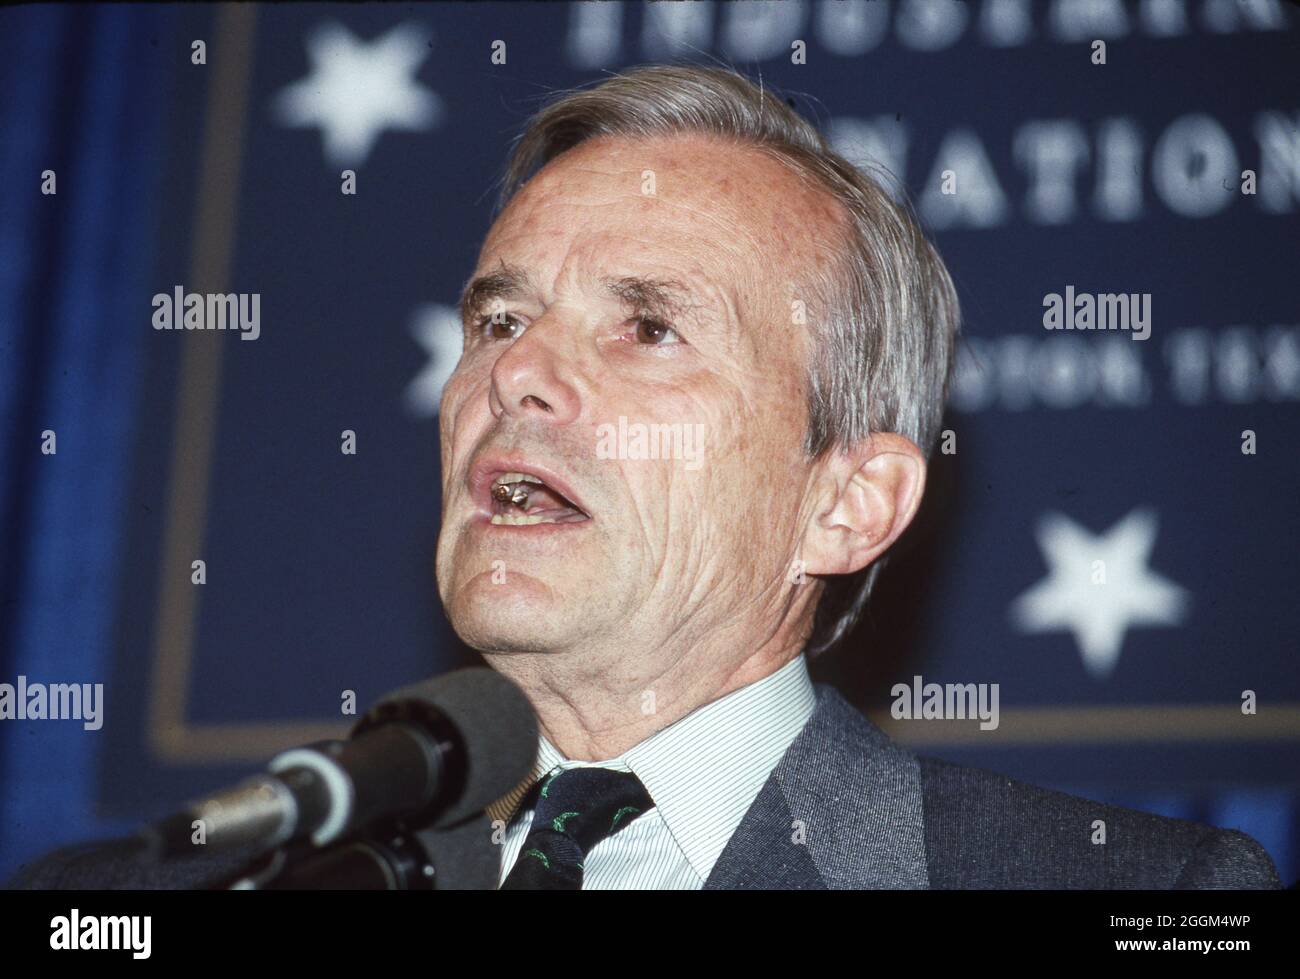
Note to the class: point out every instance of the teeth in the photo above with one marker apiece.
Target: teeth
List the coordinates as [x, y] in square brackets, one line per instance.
[512, 488]
[504, 494]
[514, 478]
[519, 519]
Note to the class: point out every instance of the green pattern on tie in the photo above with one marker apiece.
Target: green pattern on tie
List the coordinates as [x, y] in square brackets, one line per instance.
[620, 814]
[540, 856]
[574, 809]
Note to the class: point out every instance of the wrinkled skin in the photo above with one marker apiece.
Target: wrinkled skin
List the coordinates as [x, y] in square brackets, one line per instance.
[678, 590]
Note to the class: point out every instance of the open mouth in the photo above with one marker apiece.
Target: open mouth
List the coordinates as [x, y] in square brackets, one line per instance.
[522, 499]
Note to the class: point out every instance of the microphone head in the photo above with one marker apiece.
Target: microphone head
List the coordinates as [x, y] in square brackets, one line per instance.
[495, 725]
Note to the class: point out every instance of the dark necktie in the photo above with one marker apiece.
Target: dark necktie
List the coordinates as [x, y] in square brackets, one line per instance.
[573, 810]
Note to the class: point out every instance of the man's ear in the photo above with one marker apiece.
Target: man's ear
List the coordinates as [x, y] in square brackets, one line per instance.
[862, 500]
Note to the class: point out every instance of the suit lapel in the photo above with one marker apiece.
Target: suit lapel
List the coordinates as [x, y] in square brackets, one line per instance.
[763, 853]
[842, 809]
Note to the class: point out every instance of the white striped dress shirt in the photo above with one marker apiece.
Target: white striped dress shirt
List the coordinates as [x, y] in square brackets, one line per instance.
[703, 772]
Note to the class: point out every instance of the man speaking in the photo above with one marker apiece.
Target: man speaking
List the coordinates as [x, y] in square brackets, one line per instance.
[705, 360]
[681, 250]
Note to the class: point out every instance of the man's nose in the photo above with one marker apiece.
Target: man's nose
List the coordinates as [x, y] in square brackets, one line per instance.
[533, 381]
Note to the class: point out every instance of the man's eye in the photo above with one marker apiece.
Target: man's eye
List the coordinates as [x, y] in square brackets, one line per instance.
[498, 326]
[653, 332]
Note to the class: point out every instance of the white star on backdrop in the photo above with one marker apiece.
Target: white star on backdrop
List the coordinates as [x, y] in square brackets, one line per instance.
[437, 329]
[357, 89]
[1099, 602]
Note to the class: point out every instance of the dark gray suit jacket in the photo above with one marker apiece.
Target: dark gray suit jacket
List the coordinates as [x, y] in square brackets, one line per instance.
[846, 807]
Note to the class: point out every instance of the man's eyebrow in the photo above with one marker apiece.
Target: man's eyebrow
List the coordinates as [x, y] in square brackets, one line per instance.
[504, 282]
[666, 299]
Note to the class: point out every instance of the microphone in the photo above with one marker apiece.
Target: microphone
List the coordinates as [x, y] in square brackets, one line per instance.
[437, 752]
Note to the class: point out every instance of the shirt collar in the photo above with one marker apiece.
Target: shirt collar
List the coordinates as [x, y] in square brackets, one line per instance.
[705, 770]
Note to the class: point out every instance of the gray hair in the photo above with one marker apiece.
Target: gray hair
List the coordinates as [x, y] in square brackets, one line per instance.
[884, 346]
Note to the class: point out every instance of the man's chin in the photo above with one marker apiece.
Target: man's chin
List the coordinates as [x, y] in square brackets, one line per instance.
[515, 616]
[496, 637]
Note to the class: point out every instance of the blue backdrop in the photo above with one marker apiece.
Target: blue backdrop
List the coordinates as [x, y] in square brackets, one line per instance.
[1172, 170]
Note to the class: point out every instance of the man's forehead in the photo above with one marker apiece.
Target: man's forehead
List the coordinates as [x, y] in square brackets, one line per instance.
[694, 184]
[716, 217]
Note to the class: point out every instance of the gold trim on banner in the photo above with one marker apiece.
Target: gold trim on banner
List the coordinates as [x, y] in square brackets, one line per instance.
[198, 392]
[1141, 723]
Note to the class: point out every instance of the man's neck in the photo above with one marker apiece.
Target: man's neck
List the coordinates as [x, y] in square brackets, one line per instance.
[594, 712]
